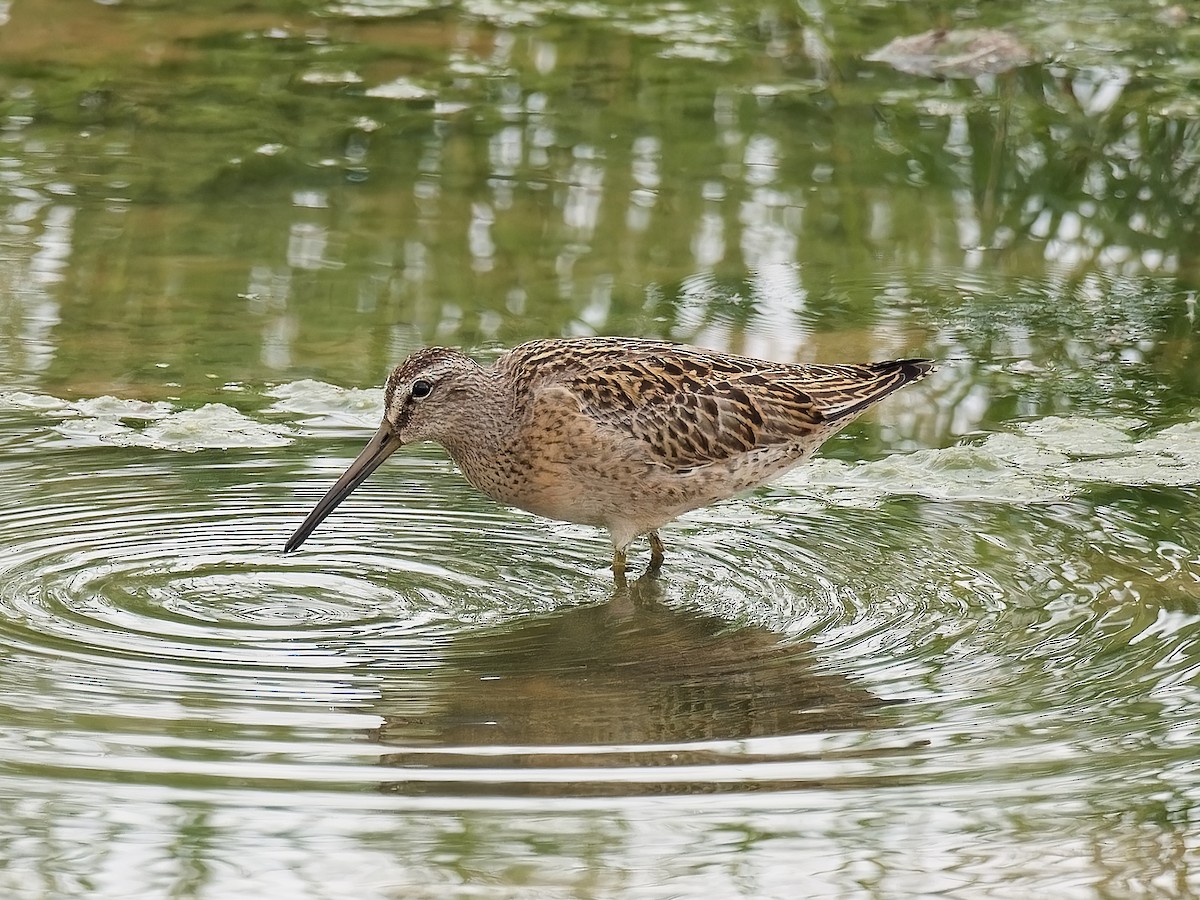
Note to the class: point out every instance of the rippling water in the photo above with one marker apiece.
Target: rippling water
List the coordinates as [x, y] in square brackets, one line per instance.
[956, 656]
[833, 639]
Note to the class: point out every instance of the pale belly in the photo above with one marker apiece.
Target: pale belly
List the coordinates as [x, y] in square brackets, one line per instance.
[626, 496]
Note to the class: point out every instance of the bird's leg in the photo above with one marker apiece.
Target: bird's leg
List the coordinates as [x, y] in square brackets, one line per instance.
[619, 565]
[657, 553]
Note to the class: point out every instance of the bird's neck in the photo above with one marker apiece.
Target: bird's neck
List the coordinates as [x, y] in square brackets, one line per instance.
[484, 435]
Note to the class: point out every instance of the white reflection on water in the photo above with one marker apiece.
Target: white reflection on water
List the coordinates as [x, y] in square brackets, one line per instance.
[49, 262]
[584, 181]
[36, 241]
[370, 847]
[505, 151]
[307, 243]
[479, 237]
[708, 242]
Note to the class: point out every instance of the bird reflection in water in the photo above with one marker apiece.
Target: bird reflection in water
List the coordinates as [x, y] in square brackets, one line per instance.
[631, 682]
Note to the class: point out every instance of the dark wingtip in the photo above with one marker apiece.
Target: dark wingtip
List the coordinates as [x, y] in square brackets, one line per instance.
[889, 376]
[911, 369]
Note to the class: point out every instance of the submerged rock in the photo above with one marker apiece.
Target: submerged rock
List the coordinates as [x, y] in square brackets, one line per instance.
[954, 54]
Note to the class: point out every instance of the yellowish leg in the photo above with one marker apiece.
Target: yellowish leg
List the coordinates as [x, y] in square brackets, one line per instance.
[619, 565]
[657, 553]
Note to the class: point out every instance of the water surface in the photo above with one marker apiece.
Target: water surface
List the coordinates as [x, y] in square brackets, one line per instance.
[957, 655]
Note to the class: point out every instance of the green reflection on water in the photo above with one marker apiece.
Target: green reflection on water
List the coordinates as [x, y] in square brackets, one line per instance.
[196, 207]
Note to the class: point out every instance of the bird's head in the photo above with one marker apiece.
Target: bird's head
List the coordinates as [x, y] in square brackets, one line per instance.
[427, 398]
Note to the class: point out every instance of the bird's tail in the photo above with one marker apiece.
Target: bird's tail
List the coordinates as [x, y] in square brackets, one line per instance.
[863, 386]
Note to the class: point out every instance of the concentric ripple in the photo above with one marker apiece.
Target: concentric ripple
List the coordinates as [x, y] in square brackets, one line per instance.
[850, 624]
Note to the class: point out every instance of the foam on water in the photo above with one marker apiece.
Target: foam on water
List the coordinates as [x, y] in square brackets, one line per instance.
[1039, 462]
[158, 425]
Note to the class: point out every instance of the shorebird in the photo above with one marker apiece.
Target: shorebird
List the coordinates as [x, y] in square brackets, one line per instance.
[621, 433]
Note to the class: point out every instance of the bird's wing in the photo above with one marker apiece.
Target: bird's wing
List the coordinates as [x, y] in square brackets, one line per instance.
[686, 407]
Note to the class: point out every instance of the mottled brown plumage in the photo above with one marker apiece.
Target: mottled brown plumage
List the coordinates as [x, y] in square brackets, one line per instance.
[620, 433]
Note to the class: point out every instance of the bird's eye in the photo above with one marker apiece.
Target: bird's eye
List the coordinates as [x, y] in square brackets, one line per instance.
[421, 389]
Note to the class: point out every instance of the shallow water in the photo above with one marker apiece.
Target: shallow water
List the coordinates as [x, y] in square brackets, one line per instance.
[956, 655]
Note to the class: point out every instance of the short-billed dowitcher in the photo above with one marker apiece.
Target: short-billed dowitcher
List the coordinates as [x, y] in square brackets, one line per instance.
[620, 433]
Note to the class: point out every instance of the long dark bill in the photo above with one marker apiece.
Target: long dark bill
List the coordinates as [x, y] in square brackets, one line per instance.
[380, 447]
